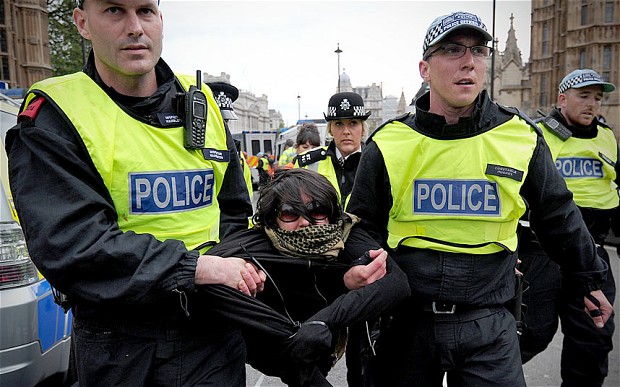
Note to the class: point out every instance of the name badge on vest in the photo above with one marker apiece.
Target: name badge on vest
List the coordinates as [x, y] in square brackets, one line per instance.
[169, 119]
[502, 171]
[216, 154]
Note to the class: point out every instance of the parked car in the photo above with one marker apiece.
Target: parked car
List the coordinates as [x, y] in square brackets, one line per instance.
[35, 333]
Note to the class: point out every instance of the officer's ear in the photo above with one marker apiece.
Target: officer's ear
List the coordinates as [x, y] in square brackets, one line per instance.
[81, 22]
[562, 98]
[424, 67]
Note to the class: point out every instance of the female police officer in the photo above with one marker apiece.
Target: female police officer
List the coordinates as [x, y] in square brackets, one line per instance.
[346, 122]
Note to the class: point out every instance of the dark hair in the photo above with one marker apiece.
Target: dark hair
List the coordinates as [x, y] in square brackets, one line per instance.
[308, 133]
[289, 142]
[288, 186]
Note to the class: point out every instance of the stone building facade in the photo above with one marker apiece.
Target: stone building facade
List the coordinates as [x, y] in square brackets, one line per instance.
[253, 112]
[511, 78]
[567, 35]
[24, 43]
[381, 108]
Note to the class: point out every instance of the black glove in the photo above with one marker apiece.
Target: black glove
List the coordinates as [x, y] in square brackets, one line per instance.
[312, 342]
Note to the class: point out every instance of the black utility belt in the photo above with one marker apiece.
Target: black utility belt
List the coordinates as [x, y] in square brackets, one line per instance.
[446, 308]
[444, 311]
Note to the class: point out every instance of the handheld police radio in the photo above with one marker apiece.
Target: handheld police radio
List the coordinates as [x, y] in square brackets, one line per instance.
[195, 115]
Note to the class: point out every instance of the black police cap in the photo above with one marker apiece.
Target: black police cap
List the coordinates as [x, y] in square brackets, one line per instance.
[346, 105]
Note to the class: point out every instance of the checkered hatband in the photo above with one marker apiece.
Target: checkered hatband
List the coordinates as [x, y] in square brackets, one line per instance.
[443, 25]
[578, 79]
[223, 101]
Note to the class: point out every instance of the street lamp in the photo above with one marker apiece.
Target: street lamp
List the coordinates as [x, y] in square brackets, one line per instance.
[338, 51]
[493, 56]
[298, 108]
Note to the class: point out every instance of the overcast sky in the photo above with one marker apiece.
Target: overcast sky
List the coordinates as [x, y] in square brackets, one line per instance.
[286, 48]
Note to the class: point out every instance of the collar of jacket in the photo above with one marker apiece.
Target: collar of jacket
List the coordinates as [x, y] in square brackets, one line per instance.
[160, 101]
[578, 131]
[435, 126]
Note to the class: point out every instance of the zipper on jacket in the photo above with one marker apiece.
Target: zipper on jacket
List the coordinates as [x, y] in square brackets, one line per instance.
[182, 301]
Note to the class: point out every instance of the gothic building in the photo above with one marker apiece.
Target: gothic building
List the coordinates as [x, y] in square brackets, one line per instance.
[24, 43]
[567, 35]
[511, 83]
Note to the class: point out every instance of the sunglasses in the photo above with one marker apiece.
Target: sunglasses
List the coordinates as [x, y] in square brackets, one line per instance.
[312, 211]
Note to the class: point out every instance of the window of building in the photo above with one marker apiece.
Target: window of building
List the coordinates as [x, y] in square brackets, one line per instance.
[3, 46]
[545, 39]
[4, 68]
[2, 13]
[582, 59]
[606, 74]
[543, 90]
[609, 11]
[584, 12]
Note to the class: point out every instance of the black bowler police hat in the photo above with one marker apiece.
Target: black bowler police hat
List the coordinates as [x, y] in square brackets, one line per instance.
[225, 94]
[346, 105]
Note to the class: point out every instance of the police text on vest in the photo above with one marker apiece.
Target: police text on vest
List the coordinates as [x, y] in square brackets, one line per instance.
[579, 167]
[161, 192]
[456, 197]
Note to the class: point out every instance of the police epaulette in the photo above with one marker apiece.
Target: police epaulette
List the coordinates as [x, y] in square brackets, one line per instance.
[556, 128]
[515, 111]
[311, 156]
[400, 118]
[603, 124]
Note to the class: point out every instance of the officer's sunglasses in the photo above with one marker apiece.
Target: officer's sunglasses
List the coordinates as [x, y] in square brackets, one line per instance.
[313, 212]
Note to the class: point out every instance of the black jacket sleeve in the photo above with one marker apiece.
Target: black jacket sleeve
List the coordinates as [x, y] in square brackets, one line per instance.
[235, 204]
[70, 222]
[558, 224]
[371, 300]
[371, 198]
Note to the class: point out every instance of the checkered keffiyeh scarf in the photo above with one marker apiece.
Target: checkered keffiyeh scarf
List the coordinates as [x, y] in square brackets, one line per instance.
[323, 241]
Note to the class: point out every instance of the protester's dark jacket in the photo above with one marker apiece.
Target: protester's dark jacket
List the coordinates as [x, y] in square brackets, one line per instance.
[310, 284]
[111, 277]
[479, 280]
[311, 288]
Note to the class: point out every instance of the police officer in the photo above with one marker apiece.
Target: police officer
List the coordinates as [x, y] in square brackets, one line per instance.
[585, 152]
[289, 153]
[118, 214]
[346, 123]
[265, 170]
[307, 138]
[444, 189]
[225, 95]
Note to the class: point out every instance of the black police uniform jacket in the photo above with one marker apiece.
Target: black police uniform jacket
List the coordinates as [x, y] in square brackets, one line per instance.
[483, 279]
[125, 281]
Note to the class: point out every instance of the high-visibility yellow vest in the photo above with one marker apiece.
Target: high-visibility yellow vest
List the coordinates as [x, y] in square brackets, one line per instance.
[458, 195]
[318, 160]
[157, 186]
[588, 166]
